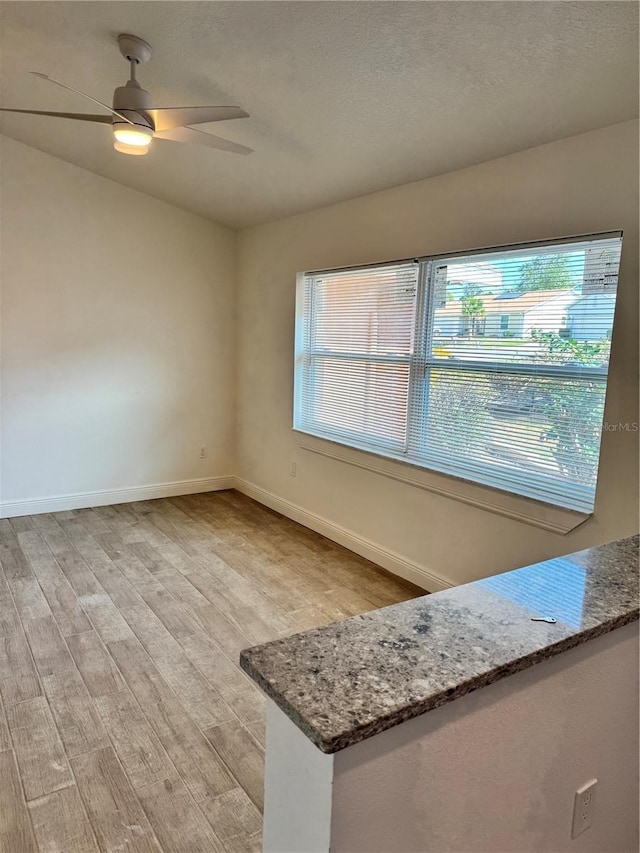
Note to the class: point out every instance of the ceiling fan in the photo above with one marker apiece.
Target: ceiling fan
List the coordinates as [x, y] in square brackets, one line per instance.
[136, 123]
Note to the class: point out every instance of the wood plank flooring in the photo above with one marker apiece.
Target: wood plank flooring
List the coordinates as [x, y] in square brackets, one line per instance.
[125, 720]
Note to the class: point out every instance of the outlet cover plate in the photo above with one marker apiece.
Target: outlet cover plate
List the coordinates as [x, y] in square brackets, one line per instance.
[583, 807]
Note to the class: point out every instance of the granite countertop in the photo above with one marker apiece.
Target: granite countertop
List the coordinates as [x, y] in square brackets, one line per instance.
[351, 680]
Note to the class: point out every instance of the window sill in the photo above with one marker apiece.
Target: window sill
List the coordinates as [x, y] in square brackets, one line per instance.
[538, 514]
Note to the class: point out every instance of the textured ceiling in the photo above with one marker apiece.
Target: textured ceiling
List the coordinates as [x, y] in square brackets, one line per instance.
[345, 97]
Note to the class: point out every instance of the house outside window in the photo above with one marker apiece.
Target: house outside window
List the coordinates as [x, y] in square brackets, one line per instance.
[419, 361]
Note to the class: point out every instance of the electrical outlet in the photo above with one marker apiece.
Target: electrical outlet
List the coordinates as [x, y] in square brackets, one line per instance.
[203, 452]
[583, 806]
[293, 469]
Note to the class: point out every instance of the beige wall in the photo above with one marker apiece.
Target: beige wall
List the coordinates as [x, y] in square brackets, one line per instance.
[119, 318]
[584, 184]
[496, 771]
[117, 335]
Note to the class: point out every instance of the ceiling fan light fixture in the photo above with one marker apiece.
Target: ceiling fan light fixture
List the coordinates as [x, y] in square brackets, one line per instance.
[136, 150]
[134, 119]
[132, 135]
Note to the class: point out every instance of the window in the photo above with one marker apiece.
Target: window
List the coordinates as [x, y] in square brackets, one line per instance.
[490, 366]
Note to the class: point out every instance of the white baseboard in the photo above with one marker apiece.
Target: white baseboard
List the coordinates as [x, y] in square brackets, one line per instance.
[389, 560]
[81, 500]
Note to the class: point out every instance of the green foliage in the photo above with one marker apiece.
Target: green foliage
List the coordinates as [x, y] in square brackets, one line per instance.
[556, 422]
[548, 272]
[573, 410]
[472, 306]
[557, 349]
[471, 290]
[458, 413]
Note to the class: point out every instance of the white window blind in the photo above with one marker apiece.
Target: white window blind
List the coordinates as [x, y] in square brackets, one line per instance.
[490, 366]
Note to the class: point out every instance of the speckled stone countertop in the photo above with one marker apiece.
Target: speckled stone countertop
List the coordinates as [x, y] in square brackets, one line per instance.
[351, 680]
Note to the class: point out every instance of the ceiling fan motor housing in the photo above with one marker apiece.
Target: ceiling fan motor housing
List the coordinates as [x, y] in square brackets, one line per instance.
[134, 102]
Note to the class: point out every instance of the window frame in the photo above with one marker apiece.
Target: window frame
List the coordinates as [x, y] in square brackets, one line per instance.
[421, 364]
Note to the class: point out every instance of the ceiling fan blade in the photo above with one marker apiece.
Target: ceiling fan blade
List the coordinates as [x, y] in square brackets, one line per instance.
[78, 92]
[78, 116]
[166, 118]
[198, 137]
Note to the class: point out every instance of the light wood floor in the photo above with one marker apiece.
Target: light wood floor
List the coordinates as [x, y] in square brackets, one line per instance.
[125, 721]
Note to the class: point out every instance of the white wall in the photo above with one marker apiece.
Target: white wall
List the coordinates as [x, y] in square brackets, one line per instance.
[496, 771]
[118, 339]
[584, 184]
[298, 783]
[493, 772]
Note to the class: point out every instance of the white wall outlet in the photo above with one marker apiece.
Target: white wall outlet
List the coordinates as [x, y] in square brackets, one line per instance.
[293, 469]
[203, 452]
[583, 806]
